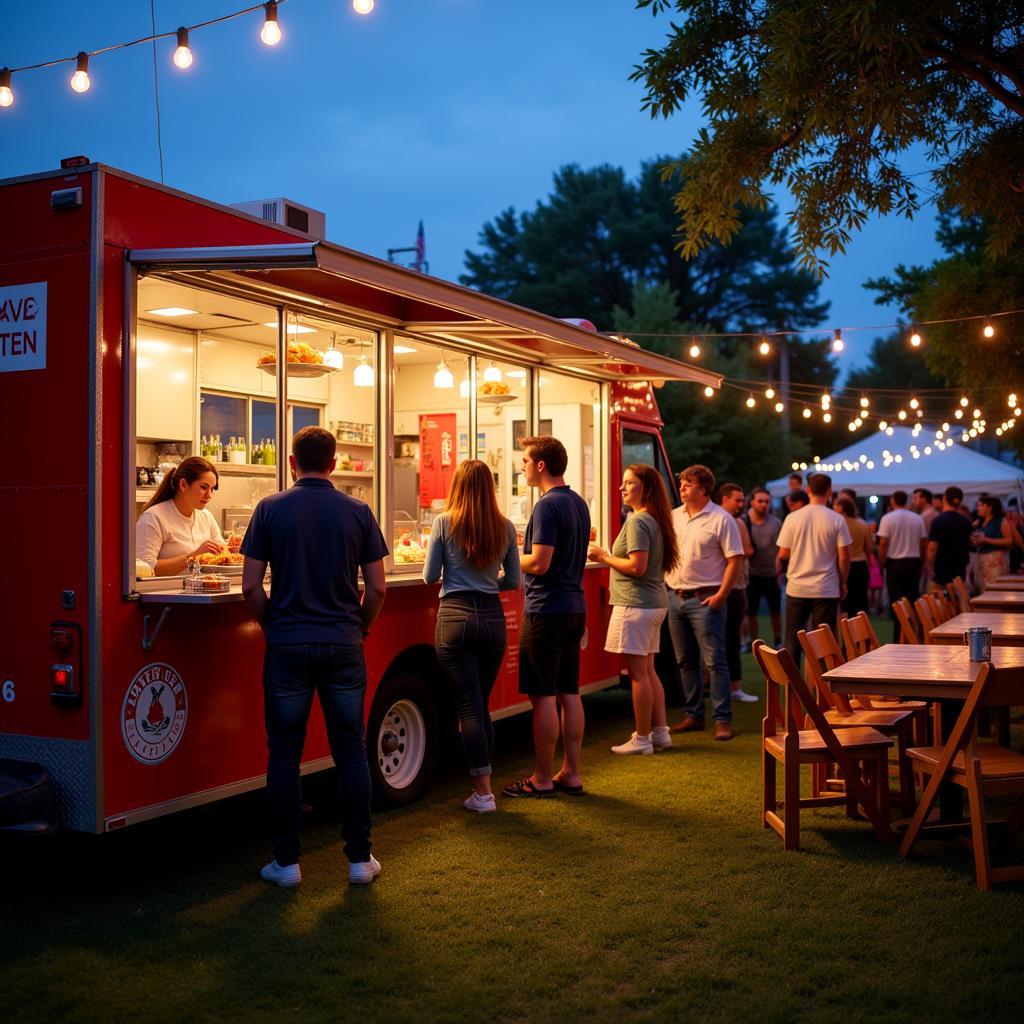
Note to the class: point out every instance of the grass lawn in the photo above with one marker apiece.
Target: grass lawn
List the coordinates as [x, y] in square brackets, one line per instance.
[657, 896]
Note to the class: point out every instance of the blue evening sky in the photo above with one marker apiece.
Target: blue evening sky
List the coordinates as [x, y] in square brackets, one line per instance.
[445, 110]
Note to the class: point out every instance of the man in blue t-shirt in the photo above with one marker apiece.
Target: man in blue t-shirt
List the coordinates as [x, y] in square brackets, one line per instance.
[316, 541]
[554, 619]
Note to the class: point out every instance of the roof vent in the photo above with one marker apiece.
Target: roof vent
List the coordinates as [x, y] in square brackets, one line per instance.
[291, 215]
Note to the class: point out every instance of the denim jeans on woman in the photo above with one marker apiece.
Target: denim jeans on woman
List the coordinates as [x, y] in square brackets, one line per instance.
[337, 674]
[470, 641]
[698, 638]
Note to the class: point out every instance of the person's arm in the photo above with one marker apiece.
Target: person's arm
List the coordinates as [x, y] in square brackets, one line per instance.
[748, 544]
[732, 570]
[512, 577]
[844, 570]
[883, 547]
[634, 565]
[780, 561]
[435, 553]
[372, 599]
[255, 596]
[1005, 539]
[869, 545]
[538, 561]
[929, 556]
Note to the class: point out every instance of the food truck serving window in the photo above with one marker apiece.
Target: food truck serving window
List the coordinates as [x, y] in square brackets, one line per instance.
[643, 447]
[207, 384]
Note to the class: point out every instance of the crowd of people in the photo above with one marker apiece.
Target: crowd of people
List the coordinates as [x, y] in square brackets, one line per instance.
[705, 569]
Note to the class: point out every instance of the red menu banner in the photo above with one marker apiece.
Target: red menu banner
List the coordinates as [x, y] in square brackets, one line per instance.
[437, 457]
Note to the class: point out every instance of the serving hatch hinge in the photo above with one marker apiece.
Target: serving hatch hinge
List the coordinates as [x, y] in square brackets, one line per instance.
[148, 639]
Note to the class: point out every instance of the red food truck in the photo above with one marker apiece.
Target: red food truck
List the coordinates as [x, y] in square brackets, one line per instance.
[140, 325]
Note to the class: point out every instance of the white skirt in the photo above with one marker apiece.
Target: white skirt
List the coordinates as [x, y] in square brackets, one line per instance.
[635, 630]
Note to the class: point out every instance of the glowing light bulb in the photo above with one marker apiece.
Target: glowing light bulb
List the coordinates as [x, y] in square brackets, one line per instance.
[769, 393]
[443, 377]
[959, 414]
[903, 414]
[271, 31]
[882, 425]
[750, 402]
[6, 93]
[363, 6]
[709, 392]
[363, 376]
[695, 351]
[807, 414]
[851, 426]
[976, 414]
[183, 55]
[764, 348]
[988, 331]
[837, 341]
[80, 79]
[916, 339]
[1011, 401]
[964, 402]
[864, 402]
[779, 407]
[914, 403]
[492, 375]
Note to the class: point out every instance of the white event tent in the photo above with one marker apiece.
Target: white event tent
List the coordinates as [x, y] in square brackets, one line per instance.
[885, 461]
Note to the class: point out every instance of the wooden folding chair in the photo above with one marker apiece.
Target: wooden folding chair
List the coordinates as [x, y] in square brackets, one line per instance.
[983, 769]
[959, 591]
[859, 638]
[940, 606]
[794, 746]
[923, 608]
[908, 622]
[822, 653]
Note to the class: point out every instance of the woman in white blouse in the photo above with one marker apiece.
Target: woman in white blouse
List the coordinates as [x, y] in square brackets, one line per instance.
[175, 525]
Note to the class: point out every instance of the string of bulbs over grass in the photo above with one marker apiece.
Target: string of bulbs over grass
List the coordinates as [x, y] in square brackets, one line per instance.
[80, 81]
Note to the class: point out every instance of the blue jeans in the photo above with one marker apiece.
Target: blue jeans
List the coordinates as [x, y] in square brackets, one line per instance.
[698, 639]
[337, 674]
[470, 641]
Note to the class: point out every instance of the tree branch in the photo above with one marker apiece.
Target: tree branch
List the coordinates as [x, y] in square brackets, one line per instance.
[787, 140]
[1010, 100]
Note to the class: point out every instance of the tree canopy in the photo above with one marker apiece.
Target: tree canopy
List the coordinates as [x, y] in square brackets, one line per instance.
[824, 98]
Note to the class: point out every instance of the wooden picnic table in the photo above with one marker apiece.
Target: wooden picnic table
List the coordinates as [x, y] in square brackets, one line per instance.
[1012, 577]
[999, 601]
[935, 672]
[1007, 628]
[1007, 583]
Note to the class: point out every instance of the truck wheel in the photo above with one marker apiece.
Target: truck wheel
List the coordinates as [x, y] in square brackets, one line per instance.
[402, 740]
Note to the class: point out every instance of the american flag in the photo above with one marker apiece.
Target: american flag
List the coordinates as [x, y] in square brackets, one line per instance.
[421, 248]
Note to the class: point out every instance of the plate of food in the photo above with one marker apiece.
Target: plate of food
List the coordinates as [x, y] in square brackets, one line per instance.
[494, 391]
[229, 562]
[303, 361]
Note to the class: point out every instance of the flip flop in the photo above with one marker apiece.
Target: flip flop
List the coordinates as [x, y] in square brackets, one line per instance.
[564, 787]
[524, 787]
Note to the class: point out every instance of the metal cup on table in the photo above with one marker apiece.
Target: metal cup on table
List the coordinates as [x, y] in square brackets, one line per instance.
[978, 640]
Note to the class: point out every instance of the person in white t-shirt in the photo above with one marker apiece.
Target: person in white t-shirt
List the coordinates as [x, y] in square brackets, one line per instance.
[176, 525]
[815, 541]
[902, 541]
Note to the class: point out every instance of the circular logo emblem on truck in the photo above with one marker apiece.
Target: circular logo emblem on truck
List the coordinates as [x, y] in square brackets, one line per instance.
[154, 713]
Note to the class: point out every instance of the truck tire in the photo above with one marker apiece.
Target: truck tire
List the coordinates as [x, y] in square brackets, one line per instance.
[402, 740]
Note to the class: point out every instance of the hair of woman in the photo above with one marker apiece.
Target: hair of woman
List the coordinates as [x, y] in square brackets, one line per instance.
[654, 499]
[846, 506]
[189, 470]
[477, 525]
[994, 503]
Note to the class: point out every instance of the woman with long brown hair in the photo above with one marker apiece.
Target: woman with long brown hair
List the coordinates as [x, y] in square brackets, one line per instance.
[643, 552]
[470, 544]
[176, 525]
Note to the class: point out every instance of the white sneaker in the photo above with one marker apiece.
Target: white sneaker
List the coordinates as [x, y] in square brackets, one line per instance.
[636, 744]
[480, 804]
[364, 872]
[661, 737]
[284, 876]
[745, 698]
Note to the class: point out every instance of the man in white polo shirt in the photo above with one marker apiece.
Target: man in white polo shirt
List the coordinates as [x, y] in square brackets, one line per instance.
[902, 541]
[710, 553]
[816, 542]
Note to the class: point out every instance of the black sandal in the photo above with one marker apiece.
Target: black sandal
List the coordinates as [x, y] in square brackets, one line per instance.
[564, 787]
[524, 787]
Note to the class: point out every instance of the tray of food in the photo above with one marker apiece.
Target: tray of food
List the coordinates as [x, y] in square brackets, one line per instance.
[227, 562]
[207, 584]
[495, 391]
[303, 361]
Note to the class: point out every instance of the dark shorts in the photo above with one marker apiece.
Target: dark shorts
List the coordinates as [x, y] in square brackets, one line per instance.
[766, 587]
[549, 654]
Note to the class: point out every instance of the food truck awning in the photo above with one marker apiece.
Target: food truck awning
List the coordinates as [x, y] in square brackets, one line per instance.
[323, 277]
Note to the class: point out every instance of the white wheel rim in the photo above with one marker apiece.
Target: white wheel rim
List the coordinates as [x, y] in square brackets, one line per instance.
[401, 744]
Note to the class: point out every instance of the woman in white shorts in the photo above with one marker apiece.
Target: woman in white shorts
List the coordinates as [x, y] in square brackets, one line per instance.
[643, 552]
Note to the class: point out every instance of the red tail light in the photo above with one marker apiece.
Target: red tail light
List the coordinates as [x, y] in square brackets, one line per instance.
[65, 676]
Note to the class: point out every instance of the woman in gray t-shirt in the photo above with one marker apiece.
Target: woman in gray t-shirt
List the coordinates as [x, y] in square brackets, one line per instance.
[643, 552]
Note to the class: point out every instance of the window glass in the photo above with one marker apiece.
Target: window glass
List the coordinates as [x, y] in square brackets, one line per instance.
[264, 422]
[573, 407]
[642, 446]
[304, 416]
[221, 418]
[431, 425]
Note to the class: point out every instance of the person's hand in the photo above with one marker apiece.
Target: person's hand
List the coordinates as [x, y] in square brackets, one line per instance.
[842, 591]
[595, 553]
[234, 542]
[207, 547]
[714, 601]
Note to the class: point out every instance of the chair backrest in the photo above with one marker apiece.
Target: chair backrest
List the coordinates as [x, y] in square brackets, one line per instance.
[939, 606]
[822, 653]
[925, 616]
[858, 635]
[907, 620]
[959, 590]
[779, 670]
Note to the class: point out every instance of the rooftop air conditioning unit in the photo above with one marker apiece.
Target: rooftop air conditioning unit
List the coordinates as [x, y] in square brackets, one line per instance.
[284, 211]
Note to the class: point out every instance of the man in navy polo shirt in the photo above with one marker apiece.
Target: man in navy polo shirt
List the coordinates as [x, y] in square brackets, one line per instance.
[316, 541]
[554, 619]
